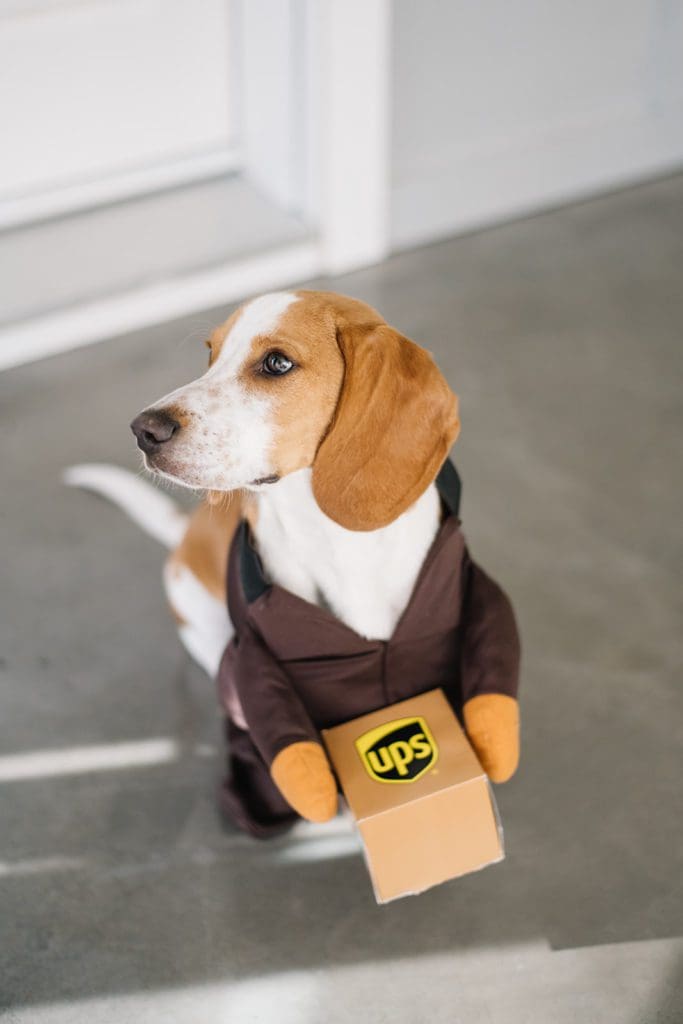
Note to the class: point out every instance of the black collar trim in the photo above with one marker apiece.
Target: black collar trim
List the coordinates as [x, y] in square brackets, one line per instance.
[251, 571]
[449, 487]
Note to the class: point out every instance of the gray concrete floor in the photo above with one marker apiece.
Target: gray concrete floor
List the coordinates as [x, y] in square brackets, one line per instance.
[121, 896]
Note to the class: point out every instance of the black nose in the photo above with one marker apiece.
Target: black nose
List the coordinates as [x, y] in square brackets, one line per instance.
[153, 428]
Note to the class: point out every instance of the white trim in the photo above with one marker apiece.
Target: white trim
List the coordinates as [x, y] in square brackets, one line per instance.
[461, 188]
[89, 322]
[270, 118]
[83, 195]
[349, 68]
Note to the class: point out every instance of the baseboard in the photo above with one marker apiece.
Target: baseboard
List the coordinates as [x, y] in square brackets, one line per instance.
[457, 192]
[121, 313]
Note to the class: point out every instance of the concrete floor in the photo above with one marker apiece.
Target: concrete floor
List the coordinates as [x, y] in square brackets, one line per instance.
[121, 896]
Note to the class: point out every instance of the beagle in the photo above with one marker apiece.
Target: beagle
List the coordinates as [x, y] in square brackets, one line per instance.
[323, 428]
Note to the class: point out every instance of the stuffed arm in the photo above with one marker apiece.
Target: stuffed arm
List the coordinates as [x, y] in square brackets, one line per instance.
[490, 657]
[282, 730]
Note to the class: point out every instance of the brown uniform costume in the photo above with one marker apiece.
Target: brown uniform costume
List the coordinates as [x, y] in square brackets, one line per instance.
[295, 668]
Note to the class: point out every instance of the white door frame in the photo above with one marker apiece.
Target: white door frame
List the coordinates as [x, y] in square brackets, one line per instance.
[342, 184]
[317, 76]
[350, 52]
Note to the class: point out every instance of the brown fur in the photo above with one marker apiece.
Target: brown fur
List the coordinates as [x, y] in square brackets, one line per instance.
[393, 427]
[204, 548]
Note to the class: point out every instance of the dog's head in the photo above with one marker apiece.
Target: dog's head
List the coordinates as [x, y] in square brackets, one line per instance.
[308, 379]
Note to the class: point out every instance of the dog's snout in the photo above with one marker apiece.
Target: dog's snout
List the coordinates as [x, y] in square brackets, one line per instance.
[153, 428]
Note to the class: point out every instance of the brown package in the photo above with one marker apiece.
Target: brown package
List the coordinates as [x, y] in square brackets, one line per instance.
[422, 802]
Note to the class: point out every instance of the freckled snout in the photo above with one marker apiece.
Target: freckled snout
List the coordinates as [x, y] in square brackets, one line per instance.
[153, 428]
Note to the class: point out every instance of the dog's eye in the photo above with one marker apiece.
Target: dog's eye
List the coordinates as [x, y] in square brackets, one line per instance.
[275, 364]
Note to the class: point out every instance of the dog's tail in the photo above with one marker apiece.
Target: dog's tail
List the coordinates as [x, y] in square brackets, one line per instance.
[156, 513]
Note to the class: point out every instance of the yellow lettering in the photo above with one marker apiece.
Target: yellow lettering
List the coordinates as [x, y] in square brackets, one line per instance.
[420, 745]
[401, 755]
[386, 763]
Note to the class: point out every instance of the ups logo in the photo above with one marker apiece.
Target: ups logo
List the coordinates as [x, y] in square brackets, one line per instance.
[398, 751]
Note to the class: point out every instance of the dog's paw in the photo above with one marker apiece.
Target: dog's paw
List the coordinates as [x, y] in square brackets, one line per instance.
[492, 723]
[302, 774]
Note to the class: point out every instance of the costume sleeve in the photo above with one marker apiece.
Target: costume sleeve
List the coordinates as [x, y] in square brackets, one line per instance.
[490, 652]
[272, 708]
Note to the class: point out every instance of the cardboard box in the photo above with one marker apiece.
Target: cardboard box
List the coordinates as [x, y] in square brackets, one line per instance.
[422, 802]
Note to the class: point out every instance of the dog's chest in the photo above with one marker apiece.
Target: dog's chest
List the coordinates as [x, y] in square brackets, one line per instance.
[365, 579]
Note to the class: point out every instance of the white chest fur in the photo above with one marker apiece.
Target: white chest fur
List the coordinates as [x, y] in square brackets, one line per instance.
[365, 579]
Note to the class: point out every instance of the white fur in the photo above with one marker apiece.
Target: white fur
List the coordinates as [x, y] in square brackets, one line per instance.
[364, 578]
[228, 440]
[205, 628]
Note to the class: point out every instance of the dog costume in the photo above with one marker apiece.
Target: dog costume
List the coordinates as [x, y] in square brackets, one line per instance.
[292, 668]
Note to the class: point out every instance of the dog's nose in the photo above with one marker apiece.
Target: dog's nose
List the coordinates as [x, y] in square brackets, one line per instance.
[153, 428]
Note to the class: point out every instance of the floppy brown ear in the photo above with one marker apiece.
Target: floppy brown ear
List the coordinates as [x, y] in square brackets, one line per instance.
[395, 422]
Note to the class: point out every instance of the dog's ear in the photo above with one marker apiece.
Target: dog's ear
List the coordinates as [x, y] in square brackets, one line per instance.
[395, 421]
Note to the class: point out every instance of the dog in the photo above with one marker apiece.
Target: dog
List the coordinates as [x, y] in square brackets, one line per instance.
[321, 430]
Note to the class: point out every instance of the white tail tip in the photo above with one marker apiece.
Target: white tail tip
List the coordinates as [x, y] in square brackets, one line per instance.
[156, 513]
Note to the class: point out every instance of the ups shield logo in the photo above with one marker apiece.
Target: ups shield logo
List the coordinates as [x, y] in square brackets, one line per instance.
[398, 751]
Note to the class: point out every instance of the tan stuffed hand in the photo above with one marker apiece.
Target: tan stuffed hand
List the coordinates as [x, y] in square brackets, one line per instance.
[492, 723]
[302, 774]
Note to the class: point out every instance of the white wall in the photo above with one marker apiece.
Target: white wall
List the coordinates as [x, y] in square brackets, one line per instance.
[502, 107]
